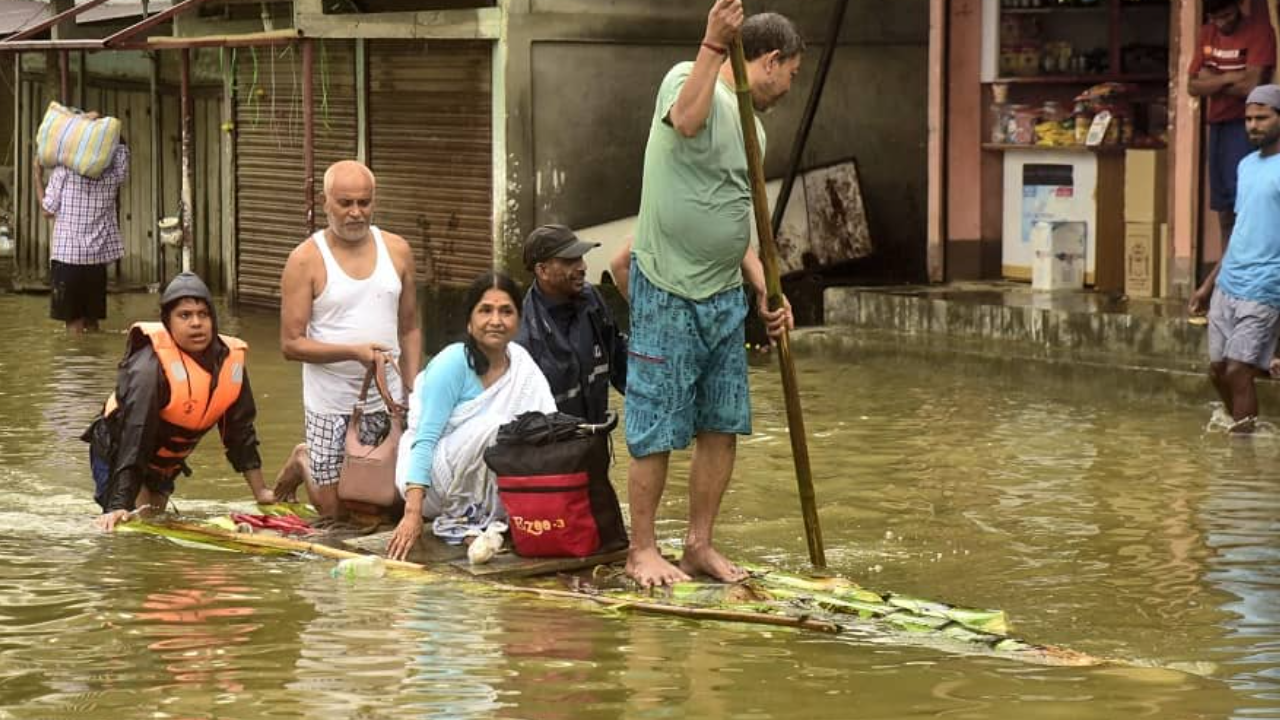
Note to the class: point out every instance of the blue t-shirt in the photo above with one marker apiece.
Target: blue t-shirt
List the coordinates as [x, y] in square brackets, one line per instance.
[446, 382]
[1251, 268]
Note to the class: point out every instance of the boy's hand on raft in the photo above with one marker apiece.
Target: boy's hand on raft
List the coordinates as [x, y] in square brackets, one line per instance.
[775, 321]
[406, 534]
[106, 522]
[265, 496]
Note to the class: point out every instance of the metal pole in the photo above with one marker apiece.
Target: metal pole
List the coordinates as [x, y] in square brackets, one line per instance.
[308, 133]
[21, 167]
[186, 161]
[810, 111]
[81, 69]
[769, 258]
[157, 169]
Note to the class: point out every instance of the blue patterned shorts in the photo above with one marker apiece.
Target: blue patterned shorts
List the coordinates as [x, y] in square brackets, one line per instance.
[687, 367]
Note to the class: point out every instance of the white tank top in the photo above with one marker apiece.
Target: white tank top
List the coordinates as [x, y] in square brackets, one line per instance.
[351, 311]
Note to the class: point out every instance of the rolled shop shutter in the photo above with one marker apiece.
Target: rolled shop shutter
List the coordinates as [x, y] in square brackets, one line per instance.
[270, 209]
[431, 147]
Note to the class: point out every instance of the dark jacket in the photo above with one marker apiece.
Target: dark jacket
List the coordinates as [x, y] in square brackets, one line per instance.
[128, 438]
[579, 348]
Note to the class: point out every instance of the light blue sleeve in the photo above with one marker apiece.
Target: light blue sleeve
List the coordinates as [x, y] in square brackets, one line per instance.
[446, 382]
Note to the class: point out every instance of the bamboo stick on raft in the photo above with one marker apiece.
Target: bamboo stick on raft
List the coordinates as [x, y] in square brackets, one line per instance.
[803, 622]
[291, 544]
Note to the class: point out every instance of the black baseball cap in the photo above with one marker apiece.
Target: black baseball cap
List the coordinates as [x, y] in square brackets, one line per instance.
[554, 241]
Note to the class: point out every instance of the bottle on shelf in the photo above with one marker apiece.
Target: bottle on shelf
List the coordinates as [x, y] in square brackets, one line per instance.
[999, 113]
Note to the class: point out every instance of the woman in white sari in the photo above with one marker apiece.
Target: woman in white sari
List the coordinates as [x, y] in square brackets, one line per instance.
[458, 403]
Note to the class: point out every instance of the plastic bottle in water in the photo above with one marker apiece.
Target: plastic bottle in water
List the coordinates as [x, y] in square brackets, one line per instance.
[361, 567]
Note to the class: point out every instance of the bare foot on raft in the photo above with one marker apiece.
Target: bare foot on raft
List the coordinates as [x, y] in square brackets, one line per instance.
[649, 569]
[293, 474]
[706, 560]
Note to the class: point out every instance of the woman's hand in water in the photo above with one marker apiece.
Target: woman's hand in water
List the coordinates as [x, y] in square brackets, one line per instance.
[406, 535]
[106, 522]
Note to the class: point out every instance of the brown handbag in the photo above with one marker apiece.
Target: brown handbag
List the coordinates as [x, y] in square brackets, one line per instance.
[368, 477]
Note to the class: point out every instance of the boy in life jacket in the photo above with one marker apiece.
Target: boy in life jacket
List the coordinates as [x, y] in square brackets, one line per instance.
[179, 379]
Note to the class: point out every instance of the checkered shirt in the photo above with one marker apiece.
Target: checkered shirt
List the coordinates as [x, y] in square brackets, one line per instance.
[85, 228]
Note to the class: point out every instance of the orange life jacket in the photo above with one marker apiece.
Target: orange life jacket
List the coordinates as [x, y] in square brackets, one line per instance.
[195, 404]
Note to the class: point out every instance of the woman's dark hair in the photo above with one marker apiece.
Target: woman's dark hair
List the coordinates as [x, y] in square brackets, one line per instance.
[1213, 6]
[765, 32]
[486, 282]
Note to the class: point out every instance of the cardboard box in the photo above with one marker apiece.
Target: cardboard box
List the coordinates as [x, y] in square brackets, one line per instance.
[1143, 249]
[1145, 189]
[1058, 255]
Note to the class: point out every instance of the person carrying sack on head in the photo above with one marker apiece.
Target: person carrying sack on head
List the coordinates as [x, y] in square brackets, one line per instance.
[179, 379]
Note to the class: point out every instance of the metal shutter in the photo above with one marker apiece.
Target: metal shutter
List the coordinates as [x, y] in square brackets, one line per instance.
[270, 209]
[431, 147]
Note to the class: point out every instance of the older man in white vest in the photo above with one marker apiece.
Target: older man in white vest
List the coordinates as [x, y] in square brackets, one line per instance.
[347, 294]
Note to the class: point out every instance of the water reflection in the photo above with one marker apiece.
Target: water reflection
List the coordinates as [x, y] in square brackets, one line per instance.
[1100, 518]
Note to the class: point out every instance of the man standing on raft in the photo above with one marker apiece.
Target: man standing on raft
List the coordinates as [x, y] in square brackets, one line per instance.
[687, 371]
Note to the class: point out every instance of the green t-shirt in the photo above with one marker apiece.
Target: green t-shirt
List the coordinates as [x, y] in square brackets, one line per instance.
[695, 206]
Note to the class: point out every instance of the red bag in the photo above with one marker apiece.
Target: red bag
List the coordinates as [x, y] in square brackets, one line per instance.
[550, 514]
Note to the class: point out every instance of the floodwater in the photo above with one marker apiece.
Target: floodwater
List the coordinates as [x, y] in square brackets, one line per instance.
[1099, 519]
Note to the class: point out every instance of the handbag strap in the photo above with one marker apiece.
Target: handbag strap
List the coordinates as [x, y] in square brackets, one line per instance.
[377, 374]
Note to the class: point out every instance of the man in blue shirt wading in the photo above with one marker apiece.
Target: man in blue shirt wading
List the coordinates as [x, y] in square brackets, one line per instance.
[1244, 312]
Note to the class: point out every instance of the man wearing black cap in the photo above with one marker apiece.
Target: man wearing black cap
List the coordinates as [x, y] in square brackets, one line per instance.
[566, 326]
[1243, 293]
[179, 379]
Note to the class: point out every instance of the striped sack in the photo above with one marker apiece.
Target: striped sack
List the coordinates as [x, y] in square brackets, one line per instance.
[66, 137]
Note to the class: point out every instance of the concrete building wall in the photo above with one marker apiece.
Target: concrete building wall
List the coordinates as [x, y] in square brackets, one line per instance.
[581, 79]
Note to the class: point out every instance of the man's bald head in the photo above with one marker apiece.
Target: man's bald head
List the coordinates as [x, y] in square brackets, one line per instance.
[348, 171]
[348, 200]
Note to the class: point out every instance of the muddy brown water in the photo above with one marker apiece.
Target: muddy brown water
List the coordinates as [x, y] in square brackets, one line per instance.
[1099, 520]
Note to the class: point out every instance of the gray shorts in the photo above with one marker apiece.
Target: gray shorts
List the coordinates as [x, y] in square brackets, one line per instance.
[327, 441]
[1242, 330]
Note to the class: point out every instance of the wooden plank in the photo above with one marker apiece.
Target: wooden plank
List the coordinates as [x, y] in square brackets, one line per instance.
[461, 24]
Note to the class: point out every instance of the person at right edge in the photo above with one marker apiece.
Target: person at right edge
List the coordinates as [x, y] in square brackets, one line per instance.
[1236, 52]
[1242, 294]
[687, 365]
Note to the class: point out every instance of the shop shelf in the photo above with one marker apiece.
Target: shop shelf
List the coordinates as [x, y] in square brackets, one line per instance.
[1103, 149]
[1082, 79]
[1054, 9]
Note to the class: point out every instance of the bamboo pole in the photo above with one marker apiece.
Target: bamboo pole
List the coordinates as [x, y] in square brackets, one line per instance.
[280, 542]
[773, 285]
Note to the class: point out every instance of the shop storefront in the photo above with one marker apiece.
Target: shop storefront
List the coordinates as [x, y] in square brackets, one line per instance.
[1066, 132]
